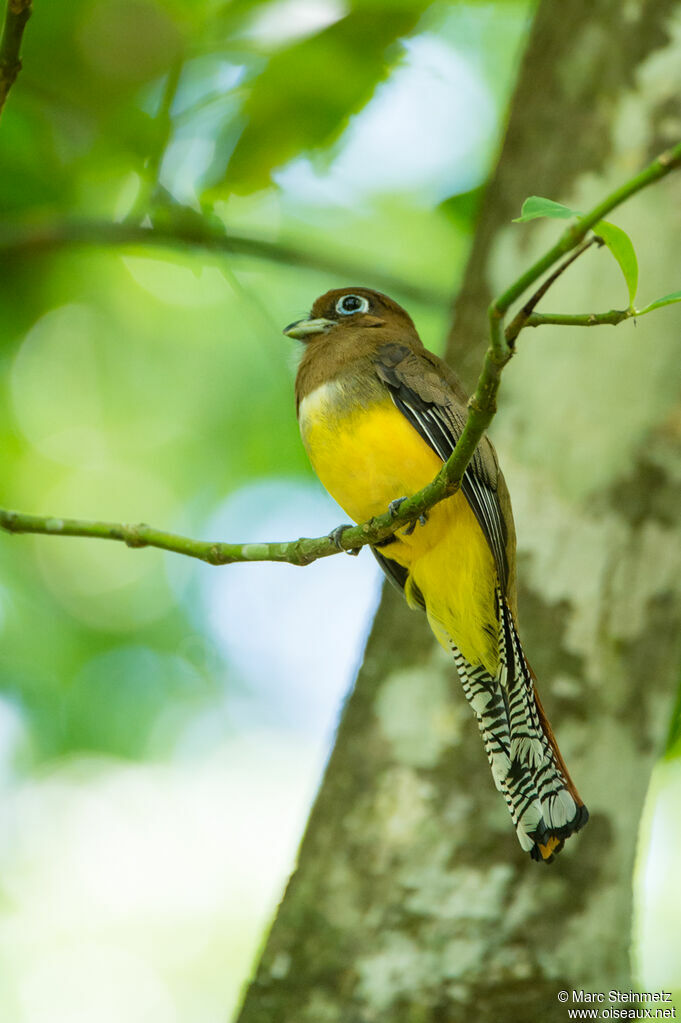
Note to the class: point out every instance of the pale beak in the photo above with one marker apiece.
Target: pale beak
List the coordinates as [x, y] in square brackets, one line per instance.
[303, 328]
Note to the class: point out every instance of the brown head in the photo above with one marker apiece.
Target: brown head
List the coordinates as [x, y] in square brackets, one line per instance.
[344, 325]
[351, 309]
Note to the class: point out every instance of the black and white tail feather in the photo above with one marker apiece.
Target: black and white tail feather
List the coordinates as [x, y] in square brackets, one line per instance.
[526, 765]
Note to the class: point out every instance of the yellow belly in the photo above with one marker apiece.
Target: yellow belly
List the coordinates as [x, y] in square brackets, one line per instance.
[371, 457]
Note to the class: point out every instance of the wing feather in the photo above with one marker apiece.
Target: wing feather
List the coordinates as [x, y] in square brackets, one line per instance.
[436, 412]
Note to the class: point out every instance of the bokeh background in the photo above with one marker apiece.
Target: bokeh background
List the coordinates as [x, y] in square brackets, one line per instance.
[163, 724]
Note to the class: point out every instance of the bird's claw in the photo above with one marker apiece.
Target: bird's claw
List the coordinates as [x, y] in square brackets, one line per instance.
[394, 508]
[422, 519]
[336, 535]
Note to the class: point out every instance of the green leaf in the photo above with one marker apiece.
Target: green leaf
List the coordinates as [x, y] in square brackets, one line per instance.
[536, 206]
[659, 302]
[617, 240]
[619, 243]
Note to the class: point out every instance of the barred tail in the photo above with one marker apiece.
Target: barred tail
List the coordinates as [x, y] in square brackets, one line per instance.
[526, 763]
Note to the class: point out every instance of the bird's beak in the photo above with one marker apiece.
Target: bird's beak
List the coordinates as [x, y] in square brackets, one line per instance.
[303, 328]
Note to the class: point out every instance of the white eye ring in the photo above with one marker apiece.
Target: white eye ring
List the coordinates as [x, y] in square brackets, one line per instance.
[357, 303]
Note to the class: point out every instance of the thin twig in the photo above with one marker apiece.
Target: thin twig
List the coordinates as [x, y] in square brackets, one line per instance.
[570, 238]
[612, 317]
[521, 318]
[17, 14]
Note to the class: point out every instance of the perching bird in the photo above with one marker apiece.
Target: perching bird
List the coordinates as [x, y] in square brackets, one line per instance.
[379, 414]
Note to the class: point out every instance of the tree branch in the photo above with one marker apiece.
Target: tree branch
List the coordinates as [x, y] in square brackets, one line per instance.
[295, 552]
[17, 14]
[482, 407]
[187, 229]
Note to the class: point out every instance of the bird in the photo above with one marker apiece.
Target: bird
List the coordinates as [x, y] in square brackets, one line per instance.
[379, 414]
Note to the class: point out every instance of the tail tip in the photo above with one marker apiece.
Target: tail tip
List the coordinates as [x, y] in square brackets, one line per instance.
[550, 842]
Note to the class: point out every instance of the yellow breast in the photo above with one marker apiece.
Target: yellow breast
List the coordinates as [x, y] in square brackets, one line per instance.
[367, 454]
[365, 457]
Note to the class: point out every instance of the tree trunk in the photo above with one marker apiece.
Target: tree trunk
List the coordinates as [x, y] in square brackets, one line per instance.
[412, 900]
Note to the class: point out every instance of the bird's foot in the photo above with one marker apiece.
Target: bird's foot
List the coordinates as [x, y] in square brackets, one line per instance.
[336, 535]
[421, 520]
[394, 508]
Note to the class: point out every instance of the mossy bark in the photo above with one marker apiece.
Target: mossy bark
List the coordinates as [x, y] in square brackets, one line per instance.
[412, 900]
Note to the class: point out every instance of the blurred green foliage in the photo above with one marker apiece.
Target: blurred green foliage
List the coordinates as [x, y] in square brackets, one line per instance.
[302, 99]
[148, 384]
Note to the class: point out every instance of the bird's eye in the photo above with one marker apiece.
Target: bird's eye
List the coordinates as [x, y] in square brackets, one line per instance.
[349, 304]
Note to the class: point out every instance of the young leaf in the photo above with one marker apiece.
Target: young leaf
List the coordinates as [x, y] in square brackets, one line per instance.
[658, 303]
[536, 206]
[619, 243]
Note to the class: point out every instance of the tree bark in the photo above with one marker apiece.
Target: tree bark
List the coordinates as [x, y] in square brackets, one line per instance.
[412, 901]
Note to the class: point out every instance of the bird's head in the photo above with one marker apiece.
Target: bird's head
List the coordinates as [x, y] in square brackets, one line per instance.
[345, 310]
